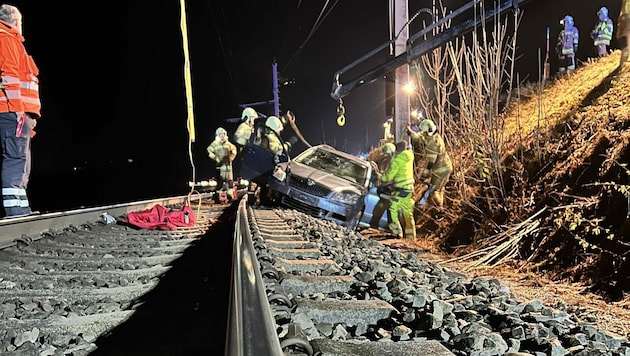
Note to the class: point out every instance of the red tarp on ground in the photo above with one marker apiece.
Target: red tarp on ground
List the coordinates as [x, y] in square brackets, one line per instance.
[161, 218]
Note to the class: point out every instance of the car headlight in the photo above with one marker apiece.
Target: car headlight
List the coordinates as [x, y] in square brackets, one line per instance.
[346, 197]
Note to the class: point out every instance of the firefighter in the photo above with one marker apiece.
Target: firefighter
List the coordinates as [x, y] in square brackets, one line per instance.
[438, 163]
[381, 158]
[223, 152]
[270, 137]
[245, 128]
[602, 32]
[400, 176]
[567, 45]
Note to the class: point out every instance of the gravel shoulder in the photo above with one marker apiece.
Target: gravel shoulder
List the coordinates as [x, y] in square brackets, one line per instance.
[613, 317]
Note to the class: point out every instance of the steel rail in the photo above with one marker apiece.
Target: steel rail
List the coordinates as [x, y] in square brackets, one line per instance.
[251, 327]
[33, 226]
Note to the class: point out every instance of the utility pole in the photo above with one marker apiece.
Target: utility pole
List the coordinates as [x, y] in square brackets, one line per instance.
[276, 90]
[400, 14]
[276, 93]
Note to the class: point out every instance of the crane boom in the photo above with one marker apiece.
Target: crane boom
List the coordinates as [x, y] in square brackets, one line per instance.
[415, 50]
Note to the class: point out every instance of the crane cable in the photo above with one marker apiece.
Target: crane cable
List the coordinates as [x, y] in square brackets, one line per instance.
[190, 122]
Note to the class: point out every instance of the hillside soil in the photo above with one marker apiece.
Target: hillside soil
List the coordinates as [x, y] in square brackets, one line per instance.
[562, 234]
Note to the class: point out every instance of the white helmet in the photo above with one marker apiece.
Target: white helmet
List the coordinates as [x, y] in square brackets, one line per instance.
[220, 131]
[274, 123]
[428, 126]
[389, 148]
[249, 113]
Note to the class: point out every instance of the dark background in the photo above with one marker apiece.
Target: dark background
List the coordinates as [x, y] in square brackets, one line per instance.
[113, 125]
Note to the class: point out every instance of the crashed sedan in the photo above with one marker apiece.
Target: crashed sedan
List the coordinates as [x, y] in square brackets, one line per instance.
[326, 183]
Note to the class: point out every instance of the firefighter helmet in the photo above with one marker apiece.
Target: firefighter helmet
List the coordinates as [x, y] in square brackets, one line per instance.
[220, 131]
[274, 123]
[249, 113]
[567, 21]
[389, 148]
[603, 11]
[428, 126]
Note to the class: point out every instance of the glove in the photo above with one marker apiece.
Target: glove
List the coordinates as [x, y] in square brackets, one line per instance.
[21, 119]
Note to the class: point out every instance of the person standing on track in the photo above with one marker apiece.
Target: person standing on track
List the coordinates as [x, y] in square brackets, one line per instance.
[223, 152]
[245, 128]
[19, 108]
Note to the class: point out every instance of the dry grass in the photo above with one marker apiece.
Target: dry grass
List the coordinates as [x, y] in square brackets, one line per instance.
[560, 98]
[591, 106]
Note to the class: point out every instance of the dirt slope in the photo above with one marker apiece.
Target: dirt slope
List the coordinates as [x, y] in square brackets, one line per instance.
[567, 235]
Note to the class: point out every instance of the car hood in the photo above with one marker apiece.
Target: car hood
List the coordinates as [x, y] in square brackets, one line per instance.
[325, 179]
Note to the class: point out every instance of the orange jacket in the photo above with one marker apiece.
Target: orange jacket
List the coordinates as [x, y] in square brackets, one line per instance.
[18, 72]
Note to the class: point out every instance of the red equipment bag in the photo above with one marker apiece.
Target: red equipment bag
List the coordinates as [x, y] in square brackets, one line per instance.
[161, 218]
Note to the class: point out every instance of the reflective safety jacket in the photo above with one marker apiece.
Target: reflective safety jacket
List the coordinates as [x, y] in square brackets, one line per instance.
[18, 72]
[602, 33]
[568, 40]
[400, 171]
[437, 159]
[223, 153]
[271, 141]
[243, 133]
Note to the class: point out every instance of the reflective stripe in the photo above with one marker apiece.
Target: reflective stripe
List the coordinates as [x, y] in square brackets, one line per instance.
[12, 94]
[28, 100]
[9, 79]
[14, 191]
[12, 203]
[33, 85]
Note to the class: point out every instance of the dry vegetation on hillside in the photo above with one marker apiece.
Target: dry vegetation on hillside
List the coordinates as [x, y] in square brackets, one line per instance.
[562, 232]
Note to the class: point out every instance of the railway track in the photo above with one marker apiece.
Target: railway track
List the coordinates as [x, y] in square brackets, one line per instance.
[249, 280]
[63, 289]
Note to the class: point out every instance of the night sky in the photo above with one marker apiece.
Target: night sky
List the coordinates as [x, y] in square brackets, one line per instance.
[113, 125]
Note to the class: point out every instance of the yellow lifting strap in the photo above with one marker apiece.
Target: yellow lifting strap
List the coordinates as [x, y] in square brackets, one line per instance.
[187, 76]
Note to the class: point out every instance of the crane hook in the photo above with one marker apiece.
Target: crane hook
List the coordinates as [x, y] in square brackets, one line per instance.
[341, 117]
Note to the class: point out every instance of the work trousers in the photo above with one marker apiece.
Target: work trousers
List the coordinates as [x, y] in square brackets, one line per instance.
[404, 207]
[16, 164]
[226, 175]
[439, 178]
[381, 207]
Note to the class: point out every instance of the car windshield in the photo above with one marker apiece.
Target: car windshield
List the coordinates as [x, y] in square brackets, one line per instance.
[340, 166]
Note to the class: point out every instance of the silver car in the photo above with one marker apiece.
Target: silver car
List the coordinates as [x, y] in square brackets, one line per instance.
[327, 183]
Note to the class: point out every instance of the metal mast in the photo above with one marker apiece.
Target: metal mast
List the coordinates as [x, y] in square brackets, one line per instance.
[400, 15]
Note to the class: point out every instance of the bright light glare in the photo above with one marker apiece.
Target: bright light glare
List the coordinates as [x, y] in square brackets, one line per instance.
[409, 88]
